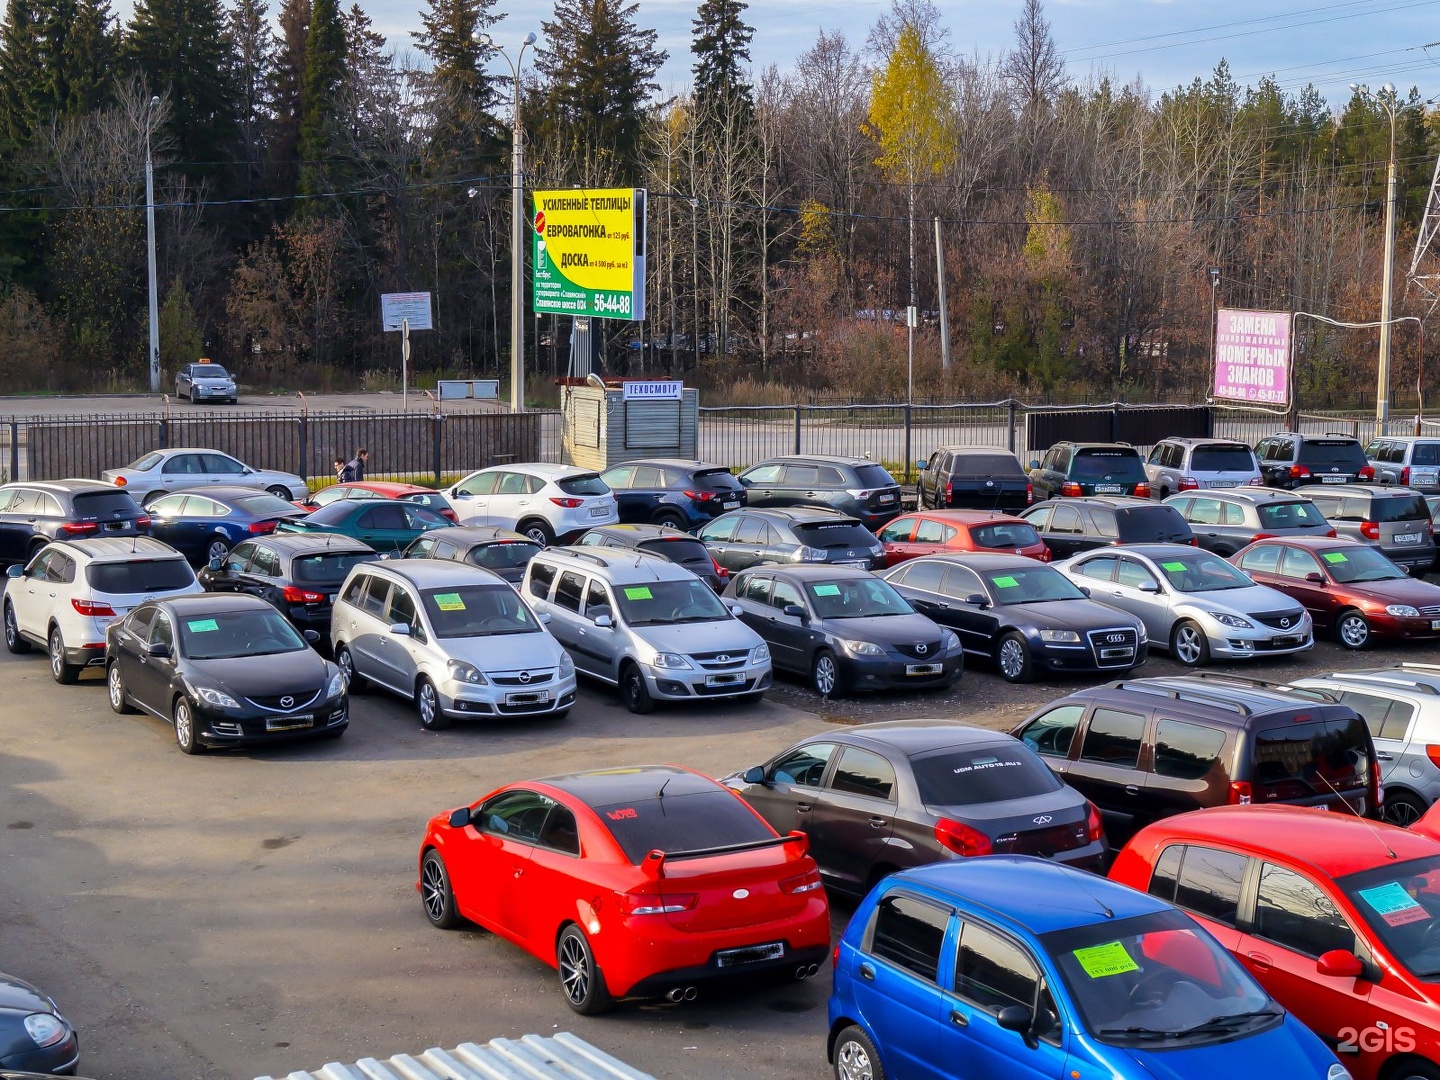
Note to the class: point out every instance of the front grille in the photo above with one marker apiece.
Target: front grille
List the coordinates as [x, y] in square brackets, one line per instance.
[538, 677]
[1433, 611]
[1279, 620]
[732, 688]
[276, 703]
[1043, 842]
[1114, 647]
[1296, 640]
[721, 661]
[929, 651]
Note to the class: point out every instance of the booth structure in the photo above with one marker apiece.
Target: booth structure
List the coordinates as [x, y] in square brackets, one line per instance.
[622, 420]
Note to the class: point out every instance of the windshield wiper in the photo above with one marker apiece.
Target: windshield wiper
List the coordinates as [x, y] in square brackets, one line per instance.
[1135, 1032]
[1226, 1022]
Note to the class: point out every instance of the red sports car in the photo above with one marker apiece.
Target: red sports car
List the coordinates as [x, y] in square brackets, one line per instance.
[931, 532]
[634, 882]
[380, 489]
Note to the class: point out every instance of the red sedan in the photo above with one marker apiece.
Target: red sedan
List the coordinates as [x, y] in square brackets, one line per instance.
[1336, 916]
[635, 882]
[929, 532]
[380, 489]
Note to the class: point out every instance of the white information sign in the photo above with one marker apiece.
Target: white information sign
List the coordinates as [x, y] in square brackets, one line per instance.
[398, 307]
[663, 390]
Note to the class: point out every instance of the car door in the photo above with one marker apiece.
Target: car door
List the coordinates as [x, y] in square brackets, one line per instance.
[1052, 736]
[895, 538]
[976, 624]
[494, 890]
[602, 643]
[750, 545]
[897, 988]
[1391, 722]
[1097, 575]
[231, 577]
[1204, 516]
[1138, 591]
[1066, 533]
[397, 653]
[149, 679]
[1186, 768]
[718, 536]
[34, 595]
[471, 497]
[568, 601]
[1107, 771]
[510, 501]
[361, 622]
[383, 526]
[929, 484]
[632, 506]
[224, 469]
[130, 640]
[853, 817]
[787, 797]
[14, 536]
[761, 483]
[793, 639]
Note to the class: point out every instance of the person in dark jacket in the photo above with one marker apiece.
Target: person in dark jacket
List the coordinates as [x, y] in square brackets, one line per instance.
[356, 465]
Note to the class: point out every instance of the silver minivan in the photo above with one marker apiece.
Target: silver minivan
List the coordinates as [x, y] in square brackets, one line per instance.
[455, 639]
[646, 625]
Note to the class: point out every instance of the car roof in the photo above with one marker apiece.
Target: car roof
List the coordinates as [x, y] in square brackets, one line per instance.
[309, 543]
[1244, 493]
[1313, 543]
[966, 517]
[638, 532]
[1333, 844]
[1192, 440]
[1230, 699]
[436, 573]
[1116, 502]
[384, 487]
[1414, 677]
[799, 514]
[812, 572]
[196, 603]
[192, 450]
[478, 534]
[1153, 551]
[119, 549]
[1407, 438]
[620, 566]
[917, 736]
[69, 487]
[601, 787]
[1038, 894]
[1089, 445]
[967, 449]
[1379, 491]
[548, 469]
[817, 459]
[670, 463]
[221, 491]
[978, 560]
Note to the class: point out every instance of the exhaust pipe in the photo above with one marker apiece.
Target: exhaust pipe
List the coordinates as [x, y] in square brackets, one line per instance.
[675, 993]
[814, 970]
[803, 971]
[691, 993]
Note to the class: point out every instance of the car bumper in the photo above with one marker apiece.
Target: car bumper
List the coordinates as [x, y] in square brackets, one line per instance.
[540, 699]
[236, 727]
[1060, 659]
[572, 523]
[873, 519]
[894, 673]
[1232, 644]
[1402, 628]
[62, 1059]
[670, 684]
[222, 393]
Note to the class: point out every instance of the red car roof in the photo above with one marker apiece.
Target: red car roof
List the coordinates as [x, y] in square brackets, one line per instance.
[964, 517]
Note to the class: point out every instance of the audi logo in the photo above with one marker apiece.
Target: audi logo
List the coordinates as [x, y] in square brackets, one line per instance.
[1043, 819]
[922, 648]
[1114, 639]
[287, 701]
[524, 676]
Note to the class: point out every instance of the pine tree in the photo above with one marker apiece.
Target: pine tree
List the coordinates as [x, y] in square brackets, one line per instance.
[721, 46]
[254, 48]
[324, 76]
[21, 73]
[365, 58]
[282, 139]
[462, 96]
[88, 58]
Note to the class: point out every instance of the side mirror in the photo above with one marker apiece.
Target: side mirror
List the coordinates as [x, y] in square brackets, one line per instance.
[157, 649]
[458, 494]
[215, 565]
[736, 610]
[18, 570]
[1339, 964]
[247, 471]
[400, 629]
[1016, 1018]
[1315, 577]
[978, 600]
[795, 611]
[754, 775]
[921, 463]
[1034, 463]
[1150, 587]
[460, 818]
[312, 636]
[1084, 589]
[546, 618]
[604, 621]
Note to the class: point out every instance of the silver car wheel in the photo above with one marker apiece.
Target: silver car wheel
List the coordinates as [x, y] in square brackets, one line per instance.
[218, 549]
[1188, 645]
[1354, 631]
[428, 704]
[1012, 659]
[116, 686]
[853, 1063]
[433, 887]
[825, 674]
[574, 969]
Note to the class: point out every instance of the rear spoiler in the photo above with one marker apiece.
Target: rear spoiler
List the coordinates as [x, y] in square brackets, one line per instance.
[653, 865]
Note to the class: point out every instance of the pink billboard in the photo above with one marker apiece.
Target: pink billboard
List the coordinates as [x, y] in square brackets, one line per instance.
[1252, 356]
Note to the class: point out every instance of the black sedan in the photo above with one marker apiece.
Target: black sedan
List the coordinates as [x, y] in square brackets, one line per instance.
[34, 1036]
[205, 524]
[225, 670]
[845, 629]
[878, 798]
[1021, 614]
[502, 551]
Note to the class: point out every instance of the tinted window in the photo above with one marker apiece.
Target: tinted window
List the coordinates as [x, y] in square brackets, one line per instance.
[1298, 562]
[1101, 568]
[1425, 454]
[805, 765]
[1385, 717]
[227, 634]
[1142, 523]
[1346, 454]
[755, 588]
[570, 590]
[752, 530]
[389, 516]
[1166, 873]
[1186, 751]
[1103, 522]
[800, 476]
[910, 934]
[110, 505]
[1052, 733]
[507, 555]
[1293, 911]
[925, 576]
[1309, 759]
[1066, 519]
[873, 476]
[1113, 738]
[1400, 508]
[714, 480]
[327, 568]
[859, 772]
[1209, 883]
[685, 552]
[1005, 536]
[839, 535]
[560, 832]
[516, 815]
[541, 578]
[997, 466]
[1299, 514]
[1264, 559]
[899, 530]
[477, 611]
[584, 484]
[150, 575]
[1121, 466]
[1217, 457]
[681, 823]
[981, 775]
[993, 971]
[597, 601]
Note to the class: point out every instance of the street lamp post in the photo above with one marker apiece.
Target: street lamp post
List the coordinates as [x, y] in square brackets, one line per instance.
[1214, 288]
[150, 249]
[1387, 100]
[517, 208]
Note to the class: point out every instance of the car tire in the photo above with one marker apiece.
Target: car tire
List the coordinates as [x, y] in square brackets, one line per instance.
[280, 491]
[580, 978]
[1352, 630]
[64, 673]
[634, 691]
[825, 678]
[673, 519]
[1402, 808]
[855, 1057]
[919, 496]
[355, 683]
[234, 401]
[1189, 645]
[14, 641]
[218, 548]
[115, 688]
[1414, 1070]
[436, 896]
[537, 530]
[186, 737]
[152, 496]
[427, 704]
[1013, 659]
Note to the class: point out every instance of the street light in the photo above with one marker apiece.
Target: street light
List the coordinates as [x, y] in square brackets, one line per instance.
[1385, 99]
[517, 206]
[1214, 288]
[150, 246]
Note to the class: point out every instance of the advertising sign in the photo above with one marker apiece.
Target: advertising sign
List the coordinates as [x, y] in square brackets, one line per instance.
[662, 390]
[397, 307]
[588, 250]
[1252, 356]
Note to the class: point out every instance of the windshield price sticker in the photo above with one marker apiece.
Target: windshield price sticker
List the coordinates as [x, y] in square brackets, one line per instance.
[1099, 961]
[1005, 583]
[638, 592]
[202, 626]
[1393, 904]
[449, 601]
[1173, 567]
[827, 590]
[1334, 557]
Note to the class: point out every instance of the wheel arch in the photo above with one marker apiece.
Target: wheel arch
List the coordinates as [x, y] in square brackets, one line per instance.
[1395, 1066]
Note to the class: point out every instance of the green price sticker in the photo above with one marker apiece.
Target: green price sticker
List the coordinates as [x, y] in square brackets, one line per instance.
[1099, 961]
[1173, 567]
[827, 590]
[202, 626]
[638, 592]
[449, 601]
[1005, 583]
[1334, 557]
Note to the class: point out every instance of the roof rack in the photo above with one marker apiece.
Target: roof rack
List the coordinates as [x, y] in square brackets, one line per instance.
[593, 556]
[1415, 665]
[1377, 678]
[1259, 684]
[1339, 435]
[1158, 688]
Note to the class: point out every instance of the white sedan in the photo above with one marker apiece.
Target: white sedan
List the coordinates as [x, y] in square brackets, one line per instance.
[184, 467]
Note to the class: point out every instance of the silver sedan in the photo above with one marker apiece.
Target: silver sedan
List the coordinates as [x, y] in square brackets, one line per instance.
[1193, 602]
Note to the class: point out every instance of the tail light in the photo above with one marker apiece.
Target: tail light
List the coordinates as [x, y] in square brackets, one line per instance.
[1240, 793]
[949, 492]
[700, 496]
[835, 956]
[1194, 541]
[1029, 494]
[568, 504]
[720, 571]
[1189, 483]
[1046, 555]
[143, 521]
[1271, 536]
[79, 528]
[1368, 473]
[1404, 475]
[961, 839]
[1432, 751]
[655, 904]
[120, 481]
[1142, 491]
[1370, 530]
[1094, 826]
[1331, 533]
[91, 608]
[1255, 481]
[1070, 490]
[1299, 472]
[801, 883]
[294, 595]
[263, 526]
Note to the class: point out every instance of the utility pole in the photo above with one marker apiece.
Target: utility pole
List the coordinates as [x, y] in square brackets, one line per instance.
[944, 311]
[1385, 99]
[150, 250]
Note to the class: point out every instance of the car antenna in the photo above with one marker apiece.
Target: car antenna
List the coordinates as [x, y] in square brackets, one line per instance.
[1080, 881]
[1389, 851]
[661, 793]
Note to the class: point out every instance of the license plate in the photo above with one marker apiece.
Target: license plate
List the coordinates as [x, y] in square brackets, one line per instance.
[733, 504]
[724, 680]
[289, 723]
[1115, 654]
[116, 526]
[754, 954]
[924, 669]
[533, 698]
[1109, 489]
[1335, 479]
[858, 563]
[599, 511]
[887, 498]
[1407, 538]
[1222, 483]
[1292, 640]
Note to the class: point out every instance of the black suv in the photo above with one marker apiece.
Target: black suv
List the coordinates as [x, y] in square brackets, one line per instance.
[1291, 460]
[973, 478]
[746, 538]
[679, 547]
[1144, 749]
[1070, 470]
[671, 491]
[501, 551]
[855, 486]
[1070, 526]
[34, 513]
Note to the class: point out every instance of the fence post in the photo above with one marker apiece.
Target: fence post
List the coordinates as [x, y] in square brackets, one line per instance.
[797, 428]
[1115, 421]
[909, 454]
[164, 433]
[14, 451]
[1011, 408]
[304, 447]
[435, 443]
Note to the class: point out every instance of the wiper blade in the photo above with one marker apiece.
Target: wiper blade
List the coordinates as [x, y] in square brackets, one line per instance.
[1136, 1032]
[1226, 1022]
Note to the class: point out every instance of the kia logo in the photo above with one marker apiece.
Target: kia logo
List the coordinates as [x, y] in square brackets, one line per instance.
[1284, 623]
[922, 648]
[722, 658]
[1043, 819]
[286, 701]
[1114, 639]
[524, 676]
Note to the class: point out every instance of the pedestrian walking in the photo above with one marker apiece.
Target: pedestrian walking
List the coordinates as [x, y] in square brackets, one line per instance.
[341, 471]
[356, 465]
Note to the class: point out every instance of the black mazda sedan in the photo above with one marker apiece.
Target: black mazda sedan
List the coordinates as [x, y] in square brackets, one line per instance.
[878, 798]
[1020, 614]
[225, 670]
[844, 629]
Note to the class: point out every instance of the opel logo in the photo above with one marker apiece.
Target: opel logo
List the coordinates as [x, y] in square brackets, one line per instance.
[740, 894]
[524, 676]
[1043, 819]
[286, 701]
[922, 648]
[722, 658]
[1284, 623]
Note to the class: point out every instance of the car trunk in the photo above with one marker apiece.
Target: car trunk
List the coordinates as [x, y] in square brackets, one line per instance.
[734, 888]
[884, 492]
[105, 513]
[988, 482]
[1317, 759]
[123, 585]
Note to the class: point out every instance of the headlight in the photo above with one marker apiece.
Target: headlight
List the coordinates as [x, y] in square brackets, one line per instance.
[1405, 611]
[949, 641]
[1144, 637]
[45, 1029]
[216, 698]
[1338, 1072]
[761, 655]
[467, 673]
[861, 648]
[671, 660]
[1224, 618]
[337, 684]
[567, 666]
[1060, 637]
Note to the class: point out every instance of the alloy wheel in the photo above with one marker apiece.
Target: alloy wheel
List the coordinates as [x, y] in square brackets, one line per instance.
[853, 1063]
[1354, 631]
[1187, 645]
[825, 674]
[428, 704]
[1012, 659]
[432, 889]
[116, 688]
[574, 969]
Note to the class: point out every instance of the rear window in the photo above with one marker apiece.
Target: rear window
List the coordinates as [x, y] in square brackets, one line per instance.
[1221, 458]
[1300, 514]
[1120, 464]
[679, 551]
[262, 504]
[681, 823]
[147, 462]
[585, 484]
[981, 775]
[1005, 535]
[1425, 453]
[106, 504]
[988, 465]
[148, 575]
[715, 480]
[1304, 760]
[1400, 508]
[510, 555]
[839, 535]
[873, 476]
[329, 568]
[1343, 453]
[1153, 523]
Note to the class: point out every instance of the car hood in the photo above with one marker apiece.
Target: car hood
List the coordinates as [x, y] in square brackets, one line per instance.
[718, 636]
[16, 995]
[1078, 615]
[1284, 1046]
[1405, 590]
[1241, 601]
[504, 652]
[1064, 806]
[885, 629]
[298, 672]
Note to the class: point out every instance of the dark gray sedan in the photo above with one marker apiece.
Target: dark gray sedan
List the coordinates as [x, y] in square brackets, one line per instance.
[878, 798]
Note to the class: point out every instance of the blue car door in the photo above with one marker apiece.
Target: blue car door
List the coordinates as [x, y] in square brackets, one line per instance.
[990, 971]
[896, 985]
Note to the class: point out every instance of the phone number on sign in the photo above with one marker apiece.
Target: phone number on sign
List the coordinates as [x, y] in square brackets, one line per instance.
[612, 303]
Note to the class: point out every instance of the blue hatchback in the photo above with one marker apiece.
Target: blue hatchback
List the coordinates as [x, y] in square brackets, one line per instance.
[1005, 967]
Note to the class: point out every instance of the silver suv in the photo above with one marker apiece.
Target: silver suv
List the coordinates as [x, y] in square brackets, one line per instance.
[1394, 519]
[646, 625]
[455, 639]
[1410, 461]
[1401, 706]
[1177, 464]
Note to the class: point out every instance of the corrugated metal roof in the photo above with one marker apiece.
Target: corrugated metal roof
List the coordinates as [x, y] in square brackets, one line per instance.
[558, 1057]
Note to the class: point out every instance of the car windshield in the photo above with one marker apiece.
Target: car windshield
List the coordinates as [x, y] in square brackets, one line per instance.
[1199, 571]
[224, 635]
[208, 371]
[1156, 978]
[1400, 508]
[328, 568]
[1401, 904]
[263, 504]
[1219, 457]
[1121, 466]
[688, 822]
[142, 576]
[856, 598]
[661, 603]
[1029, 585]
[505, 555]
[981, 774]
[1353, 565]
[1008, 534]
[1295, 514]
[477, 611]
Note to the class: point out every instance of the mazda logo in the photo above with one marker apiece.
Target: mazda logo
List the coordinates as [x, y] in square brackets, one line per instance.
[1114, 639]
[1043, 819]
[722, 658]
[286, 701]
[1284, 623]
[524, 676]
[922, 648]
